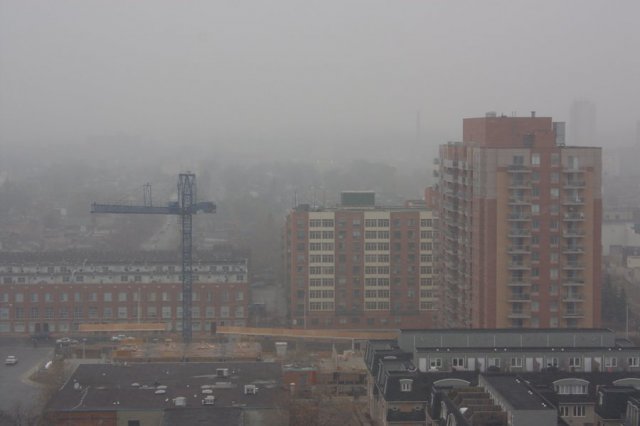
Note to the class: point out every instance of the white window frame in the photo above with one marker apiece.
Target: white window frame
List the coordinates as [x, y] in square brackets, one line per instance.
[435, 363]
[633, 361]
[458, 362]
[516, 362]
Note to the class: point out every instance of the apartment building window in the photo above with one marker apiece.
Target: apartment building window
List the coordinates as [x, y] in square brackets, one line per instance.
[166, 312]
[554, 192]
[552, 362]
[535, 208]
[535, 191]
[107, 313]
[426, 246]
[152, 312]
[516, 362]
[35, 314]
[107, 297]
[535, 159]
[575, 361]
[633, 361]
[579, 411]
[493, 362]
[457, 362]
[555, 159]
[435, 363]
[610, 361]
[564, 410]
[518, 160]
[48, 313]
[93, 312]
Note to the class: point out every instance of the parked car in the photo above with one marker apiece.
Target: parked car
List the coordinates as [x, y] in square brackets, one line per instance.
[118, 338]
[11, 360]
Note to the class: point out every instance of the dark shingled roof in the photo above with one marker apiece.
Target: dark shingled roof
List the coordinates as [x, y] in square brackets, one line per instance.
[517, 392]
[421, 385]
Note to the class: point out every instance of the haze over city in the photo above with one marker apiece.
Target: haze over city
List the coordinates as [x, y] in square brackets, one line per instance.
[289, 79]
[414, 212]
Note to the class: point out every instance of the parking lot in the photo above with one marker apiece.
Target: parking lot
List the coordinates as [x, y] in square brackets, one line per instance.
[14, 386]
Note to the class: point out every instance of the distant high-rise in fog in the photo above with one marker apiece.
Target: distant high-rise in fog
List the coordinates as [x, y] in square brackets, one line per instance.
[582, 125]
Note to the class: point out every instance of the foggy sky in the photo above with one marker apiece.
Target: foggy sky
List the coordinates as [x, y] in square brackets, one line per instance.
[291, 73]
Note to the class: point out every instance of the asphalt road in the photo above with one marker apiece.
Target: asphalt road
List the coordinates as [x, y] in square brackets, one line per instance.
[14, 386]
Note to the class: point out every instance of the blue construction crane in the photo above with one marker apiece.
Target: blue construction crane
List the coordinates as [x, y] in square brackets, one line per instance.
[185, 207]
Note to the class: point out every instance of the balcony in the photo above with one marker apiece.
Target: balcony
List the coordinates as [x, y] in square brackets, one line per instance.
[519, 201]
[574, 313]
[519, 185]
[519, 266]
[518, 249]
[574, 183]
[573, 282]
[573, 265]
[575, 249]
[519, 216]
[573, 201]
[519, 314]
[572, 233]
[573, 297]
[517, 232]
[518, 168]
[573, 216]
[518, 283]
[519, 297]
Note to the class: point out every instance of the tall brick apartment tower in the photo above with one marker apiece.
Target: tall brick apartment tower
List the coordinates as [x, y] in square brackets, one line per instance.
[359, 266]
[520, 226]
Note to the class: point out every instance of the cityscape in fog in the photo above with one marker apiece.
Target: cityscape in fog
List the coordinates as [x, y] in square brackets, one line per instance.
[290, 213]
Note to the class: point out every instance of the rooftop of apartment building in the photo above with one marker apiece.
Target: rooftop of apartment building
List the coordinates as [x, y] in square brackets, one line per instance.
[124, 257]
[154, 386]
[203, 416]
[361, 200]
[470, 339]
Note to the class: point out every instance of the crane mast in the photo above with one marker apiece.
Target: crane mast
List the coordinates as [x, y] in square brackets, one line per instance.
[185, 207]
